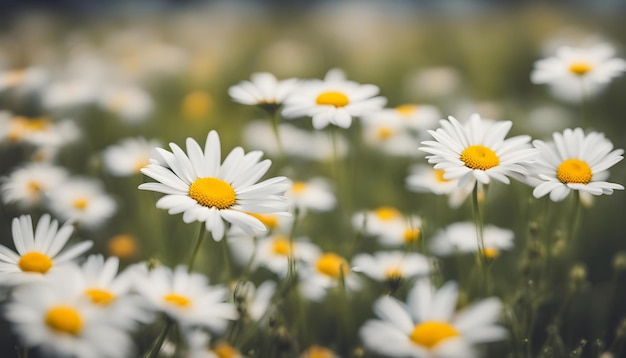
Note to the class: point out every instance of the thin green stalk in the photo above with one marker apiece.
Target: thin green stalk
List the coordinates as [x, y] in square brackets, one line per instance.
[479, 226]
[227, 265]
[196, 248]
[158, 342]
[22, 352]
[274, 117]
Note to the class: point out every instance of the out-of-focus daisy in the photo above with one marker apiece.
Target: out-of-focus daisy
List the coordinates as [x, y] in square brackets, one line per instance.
[187, 298]
[203, 189]
[263, 89]
[314, 194]
[428, 326]
[478, 151]
[316, 351]
[131, 103]
[461, 237]
[334, 100]
[28, 186]
[42, 132]
[200, 346]
[417, 117]
[387, 132]
[433, 82]
[70, 93]
[38, 252]
[575, 161]
[54, 317]
[22, 79]
[389, 225]
[392, 265]
[576, 72]
[326, 273]
[254, 302]
[272, 252]
[295, 142]
[128, 156]
[424, 178]
[123, 246]
[83, 201]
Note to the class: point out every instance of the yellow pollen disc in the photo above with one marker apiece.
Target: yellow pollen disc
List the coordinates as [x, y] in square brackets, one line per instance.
[299, 187]
[33, 188]
[332, 265]
[213, 193]
[406, 110]
[64, 319]
[35, 262]
[394, 273]
[479, 157]
[490, 252]
[269, 220]
[318, 352]
[225, 350]
[177, 300]
[384, 133]
[80, 203]
[429, 334]
[122, 246]
[574, 171]
[332, 98]
[196, 105]
[140, 163]
[99, 296]
[386, 213]
[281, 246]
[37, 125]
[411, 235]
[439, 176]
[579, 68]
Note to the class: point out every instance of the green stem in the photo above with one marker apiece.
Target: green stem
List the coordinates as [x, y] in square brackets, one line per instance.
[196, 248]
[158, 342]
[479, 226]
[22, 352]
[275, 117]
[227, 268]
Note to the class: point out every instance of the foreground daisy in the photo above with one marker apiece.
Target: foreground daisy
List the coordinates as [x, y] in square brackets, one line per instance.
[575, 161]
[477, 151]
[577, 72]
[187, 298]
[263, 89]
[197, 185]
[461, 238]
[334, 100]
[38, 252]
[428, 326]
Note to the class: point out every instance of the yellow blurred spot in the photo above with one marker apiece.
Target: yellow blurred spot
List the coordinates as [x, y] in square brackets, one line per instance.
[122, 246]
[406, 110]
[318, 352]
[411, 235]
[580, 68]
[196, 105]
[387, 213]
[225, 350]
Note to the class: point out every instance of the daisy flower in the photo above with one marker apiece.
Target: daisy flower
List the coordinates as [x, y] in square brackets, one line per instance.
[54, 317]
[200, 346]
[389, 225]
[128, 156]
[83, 201]
[263, 89]
[40, 132]
[315, 194]
[334, 100]
[575, 72]
[28, 186]
[201, 188]
[424, 178]
[427, 326]
[40, 252]
[392, 267]
[131, 103]
[575, 161]
[255, 301]
[187, 298]
[22, 79]
[324, 274]
[316, 351]
[461, 237]
[478, 151]
[387, 132]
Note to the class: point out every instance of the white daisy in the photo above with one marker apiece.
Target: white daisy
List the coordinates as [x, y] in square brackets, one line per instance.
[392, 265]
[83, 201]
[262, 89]
[187, 298]
[424, 178]
[324, 274]
[128, 156]
[428, 326]
[131, 103]
[314, 194]
[38, 253]
[316, 351]
[256, 301]
[200, 346]
[201, 188]
[575, 161]
[389, 225]
[70, 93]
[387, 131]
[29, 185]
[41, 132]
[461, 238]
[334, 100]
[478, 151]
[22, 79]
[577, 72]
[54, 317]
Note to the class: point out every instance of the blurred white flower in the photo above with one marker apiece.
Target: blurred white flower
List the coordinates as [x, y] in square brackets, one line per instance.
[262, 89]
[41, 132]
[392, 265]
[424, 178]
[29, 185]
[256, 301]
[461, 237]
[200, 346]
[128, 156]
[314, 194]
[131, 103]
[22, 79]
[389, 225]
[325, 273]
[66, 94]
[388, 132]
[433, 82]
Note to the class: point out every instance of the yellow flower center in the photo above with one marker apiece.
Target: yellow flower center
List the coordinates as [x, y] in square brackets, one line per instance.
[491, 253]
[387, 213]
[318, 352]
[80, 203]
[140, 163]
[439, 173]
[384, 133]
[429, 334]
[579, 68]
[196, 105]
[281, 246]
[37, 125]
[225, 350]
[332, 265]
[299, 187]
[14, 77]
[411, 235]
[177, 300]
[479, 157]
[271, 221]
[574, 171]
[99, 296]
[406, 110]
[64, 319]
[122, 246]
[35, 262]
[213, 192]
[33, 188]
[394, 274]
[333, 98]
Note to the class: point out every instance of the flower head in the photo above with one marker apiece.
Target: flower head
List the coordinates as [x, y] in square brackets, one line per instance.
[29, 185]
[263, 89]
[575, 161]
[461, 237]
[389, 225]
[203, 189]
[128, 156]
